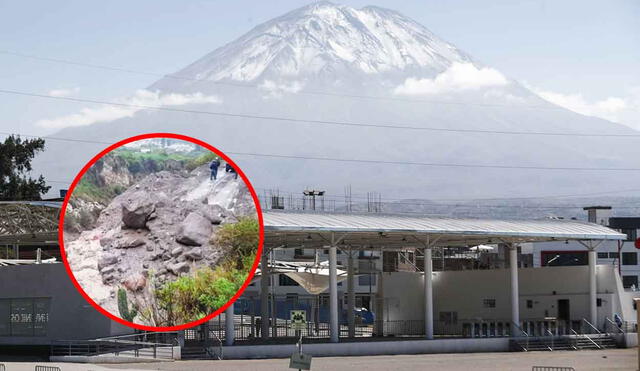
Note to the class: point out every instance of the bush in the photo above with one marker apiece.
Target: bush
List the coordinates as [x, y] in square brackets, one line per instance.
[201, 160]
[239, 240]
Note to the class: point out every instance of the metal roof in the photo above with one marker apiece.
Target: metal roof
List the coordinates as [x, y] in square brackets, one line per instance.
[363, 228]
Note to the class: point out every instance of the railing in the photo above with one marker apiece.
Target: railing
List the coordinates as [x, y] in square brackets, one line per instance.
[552, 368]
[43, 368]
[135, 345]
[585, 336]
[552, 340]
[609, 322]
[516, 326]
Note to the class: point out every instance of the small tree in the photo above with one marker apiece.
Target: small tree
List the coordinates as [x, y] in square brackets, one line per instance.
[15, 163]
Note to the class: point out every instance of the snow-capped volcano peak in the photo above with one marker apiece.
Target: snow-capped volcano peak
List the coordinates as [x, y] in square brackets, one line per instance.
[324, 39]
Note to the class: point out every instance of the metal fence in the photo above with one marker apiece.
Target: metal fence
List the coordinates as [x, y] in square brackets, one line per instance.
[45, 368]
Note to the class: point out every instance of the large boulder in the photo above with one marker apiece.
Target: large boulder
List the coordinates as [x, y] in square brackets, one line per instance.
[137, 210]
[195, 230]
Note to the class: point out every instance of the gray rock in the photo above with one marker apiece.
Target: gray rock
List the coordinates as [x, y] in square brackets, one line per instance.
[194, 254]
[215, 213]
[105, 241]
[107, 259]
[129, 243]
[177, 251]
[195, 230]
[107, 270]
[136, 212]
[178, 268]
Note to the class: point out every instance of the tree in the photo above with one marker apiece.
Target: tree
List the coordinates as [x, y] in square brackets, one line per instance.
[15, 164]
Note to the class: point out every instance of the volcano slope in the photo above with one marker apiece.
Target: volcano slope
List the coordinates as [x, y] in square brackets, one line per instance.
[161, 228]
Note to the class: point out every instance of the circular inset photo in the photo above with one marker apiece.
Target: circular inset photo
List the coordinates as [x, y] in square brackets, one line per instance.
[161, 231]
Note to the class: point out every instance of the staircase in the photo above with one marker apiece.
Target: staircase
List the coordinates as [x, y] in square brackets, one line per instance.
[200, 352]
[567, 342]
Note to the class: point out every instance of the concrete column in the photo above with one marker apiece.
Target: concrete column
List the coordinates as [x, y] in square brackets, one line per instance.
[229, 330]
[333, 295]
[428, 294]
[379, 313]
[264, 296]
[593, 302]
[515, 302]
[351, 297]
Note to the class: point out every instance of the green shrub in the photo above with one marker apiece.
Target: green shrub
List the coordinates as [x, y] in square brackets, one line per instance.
[239, 240]
[123, 307]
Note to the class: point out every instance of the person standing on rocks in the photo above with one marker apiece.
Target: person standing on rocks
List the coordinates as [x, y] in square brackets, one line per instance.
[214, 168]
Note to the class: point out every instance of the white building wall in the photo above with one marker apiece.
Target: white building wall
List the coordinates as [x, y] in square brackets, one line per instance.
[464, 292]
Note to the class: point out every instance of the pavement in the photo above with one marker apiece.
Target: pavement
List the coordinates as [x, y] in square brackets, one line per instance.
[610, 359]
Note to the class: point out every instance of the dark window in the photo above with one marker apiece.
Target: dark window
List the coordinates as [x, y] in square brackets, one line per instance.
[367, 279]
[598, 302]
[629, 258]
[632, 234]
[298, 252]
[603, 255]
[284, 280]
[529, 303]
[564, 258]
[613, 255]
[489, 303]
[449, 318]
[628, 281]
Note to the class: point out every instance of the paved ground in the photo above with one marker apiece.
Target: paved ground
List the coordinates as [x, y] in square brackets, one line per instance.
[613, 359]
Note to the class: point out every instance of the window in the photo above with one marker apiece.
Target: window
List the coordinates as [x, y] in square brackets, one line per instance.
[629, 258]
[598, 302]
[284, 280]
[632, 234]
[449, 318]
[367, 279]
[529, 304]
[613, 255]
[628, 281]
[603, 255]
[489, 303]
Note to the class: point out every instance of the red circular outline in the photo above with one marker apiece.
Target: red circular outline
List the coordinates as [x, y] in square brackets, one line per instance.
[133, 139]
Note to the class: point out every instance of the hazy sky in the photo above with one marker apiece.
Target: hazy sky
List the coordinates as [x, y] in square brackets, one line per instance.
[578, 53]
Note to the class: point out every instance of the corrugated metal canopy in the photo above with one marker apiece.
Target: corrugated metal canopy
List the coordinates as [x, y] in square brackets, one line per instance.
[392, 229]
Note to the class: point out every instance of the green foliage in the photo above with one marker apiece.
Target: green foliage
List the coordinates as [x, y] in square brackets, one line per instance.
[239, 240]
[190, 298]
[15, 163]
[205, 158]
[152, 161]
[123, 306]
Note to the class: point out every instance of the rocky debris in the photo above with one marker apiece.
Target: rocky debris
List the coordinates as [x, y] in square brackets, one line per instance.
[178, 268]
[154, 233]
[195, 230]
[106, 260]
[129, 243]
[194, 254]
[138, 210]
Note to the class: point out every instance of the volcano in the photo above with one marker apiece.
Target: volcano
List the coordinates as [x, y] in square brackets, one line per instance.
[327, 63]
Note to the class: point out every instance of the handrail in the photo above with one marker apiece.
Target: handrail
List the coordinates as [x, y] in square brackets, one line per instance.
[615, 324]
[575, 345]
[552, 336]
[588, 338]
[525, 334]
[592, 326]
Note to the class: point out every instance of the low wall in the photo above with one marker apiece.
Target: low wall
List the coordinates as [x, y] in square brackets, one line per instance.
[370, 348]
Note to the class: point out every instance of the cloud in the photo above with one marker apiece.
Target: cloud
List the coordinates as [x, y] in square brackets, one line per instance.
[624, 110]
[63, 92]
[88, 116]
[276, 90]
[458, 77]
